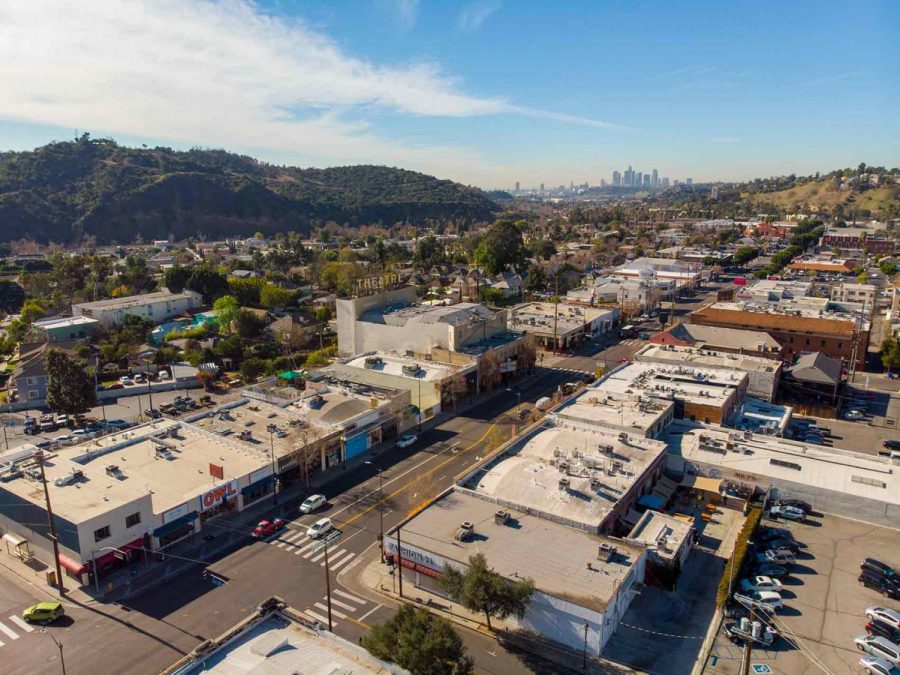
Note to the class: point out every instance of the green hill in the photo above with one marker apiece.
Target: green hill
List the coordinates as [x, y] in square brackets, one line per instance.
[64, 191]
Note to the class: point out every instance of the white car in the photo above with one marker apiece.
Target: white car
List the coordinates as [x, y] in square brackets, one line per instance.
[879, 647]
[877, 666]
[888, 616]
[162, 375]
[761, 583]
[788, 512]
[312, 503]
[780, 557]
[320, 527]
[125, 381]
[854, 415]
[140, 379]
[406, 440]
[768, 600]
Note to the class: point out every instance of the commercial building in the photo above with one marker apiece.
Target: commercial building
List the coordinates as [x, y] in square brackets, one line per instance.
[705, 394]
[844, 483]
[432, 386]
[763, 373]
[584, 583]
[66, 328]
[156, 307]
[823, 264]
[717, 338]
[631, 412]
[632, 296]
[277, 638]
[575, 473]
[562, 326]
[685, 275]
[799, 324]
[857, 239]
[853, 292]
[667, 539]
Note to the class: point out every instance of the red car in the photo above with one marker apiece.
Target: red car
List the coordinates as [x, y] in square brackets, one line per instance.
[267, 527]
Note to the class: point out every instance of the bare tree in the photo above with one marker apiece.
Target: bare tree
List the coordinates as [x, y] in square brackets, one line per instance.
[490, 369]
[459, 387]
[307, 445]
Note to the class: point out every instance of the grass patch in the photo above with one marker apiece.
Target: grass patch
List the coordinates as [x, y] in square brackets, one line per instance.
[741, 548]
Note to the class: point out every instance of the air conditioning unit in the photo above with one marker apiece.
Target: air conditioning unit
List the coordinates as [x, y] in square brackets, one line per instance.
[501, 517]
[564, 484]
[465, 531]
[606, 552]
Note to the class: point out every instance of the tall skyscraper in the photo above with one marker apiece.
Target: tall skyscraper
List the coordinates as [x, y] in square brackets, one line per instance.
[517, 186]
[646, 180]
[689, 181]
[628, 179]
[654, 179]
[638, 179]
[542, 187]
[617, 179]
[665, 181]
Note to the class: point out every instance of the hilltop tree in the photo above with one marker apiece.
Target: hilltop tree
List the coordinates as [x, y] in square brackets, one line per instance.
[420, 642]
[70, 389]
[480, 589]
[207, 282]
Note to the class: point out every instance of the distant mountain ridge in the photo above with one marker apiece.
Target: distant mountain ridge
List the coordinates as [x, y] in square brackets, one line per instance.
[65, 191]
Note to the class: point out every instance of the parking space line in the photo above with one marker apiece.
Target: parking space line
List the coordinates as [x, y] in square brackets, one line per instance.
[334, 612]
[21, 624]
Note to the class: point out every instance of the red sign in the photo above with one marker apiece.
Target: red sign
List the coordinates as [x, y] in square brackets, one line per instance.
[217, 495]
[216, 471]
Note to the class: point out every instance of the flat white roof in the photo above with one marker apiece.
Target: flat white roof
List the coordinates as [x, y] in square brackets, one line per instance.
[65, 322]
[393, 365]
[707, 386]
[136, 300]
[692, 356]
[661, 532]
[605, 408]
[528, 475]
[865, 476]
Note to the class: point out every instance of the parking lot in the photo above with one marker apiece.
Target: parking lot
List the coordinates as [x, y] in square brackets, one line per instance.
[824, 604]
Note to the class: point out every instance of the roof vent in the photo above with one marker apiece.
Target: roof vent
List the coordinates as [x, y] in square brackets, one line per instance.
[465, 532]
[501, 517]
[606, 552]
[564, 484]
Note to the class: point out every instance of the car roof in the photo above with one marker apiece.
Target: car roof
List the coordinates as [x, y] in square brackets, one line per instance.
[47, 605]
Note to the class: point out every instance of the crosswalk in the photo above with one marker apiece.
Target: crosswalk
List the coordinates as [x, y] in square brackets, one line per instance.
[632, 342]
[297, 543]
[573, 371]
[343, 606]
[10, 633]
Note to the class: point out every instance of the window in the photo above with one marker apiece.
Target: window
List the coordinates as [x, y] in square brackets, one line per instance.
[102, 533]
[823, 343]
[133, 519]
[807, 341]
[840, 345]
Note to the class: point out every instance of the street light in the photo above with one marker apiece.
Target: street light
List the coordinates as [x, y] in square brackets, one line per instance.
[58, 644]
[380, 505]
[271, 429]
[518, 405]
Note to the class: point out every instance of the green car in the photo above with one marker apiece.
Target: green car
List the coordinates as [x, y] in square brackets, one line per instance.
[43, 612]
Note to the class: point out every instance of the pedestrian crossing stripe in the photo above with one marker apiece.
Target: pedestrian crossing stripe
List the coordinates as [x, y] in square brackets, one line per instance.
[343, 605]
[9, 631]
[21, 624]
[317, 557]
[318, 617]
[334, 612]
[347, 596]
[339, 563]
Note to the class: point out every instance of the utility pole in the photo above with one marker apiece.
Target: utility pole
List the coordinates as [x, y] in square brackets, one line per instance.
[271, 430]
[328, 585]
[149, 386]
[555, 306]
[380, 506]
[39, 456]
[745, 657]
[399, 562]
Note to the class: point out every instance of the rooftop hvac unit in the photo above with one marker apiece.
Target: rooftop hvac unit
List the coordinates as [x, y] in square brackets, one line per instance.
[465, 531]
[372, 362]
[76, 474]
[112, 470]
[564, 484]
[562, 465]
[606, 552]
[164, 453]
[501, 517]
[623, 437]
[411, 370]
[596, 484]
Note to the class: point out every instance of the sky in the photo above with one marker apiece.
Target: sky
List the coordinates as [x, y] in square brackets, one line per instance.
[485, 92]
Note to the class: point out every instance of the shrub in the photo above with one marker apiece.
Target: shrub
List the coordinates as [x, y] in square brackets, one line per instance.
[741, 547]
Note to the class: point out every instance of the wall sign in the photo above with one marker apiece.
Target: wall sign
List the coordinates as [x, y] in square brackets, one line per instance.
[175, 513]
[219, 493]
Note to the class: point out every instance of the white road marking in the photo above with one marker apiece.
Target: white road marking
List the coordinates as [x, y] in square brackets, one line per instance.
[351, 598]
[340, 563]
[343, 605]
[9, 631]
[317, 558]
[21, 624]
[374, 609]
[334, 612]
[1, 643]
[321, 619]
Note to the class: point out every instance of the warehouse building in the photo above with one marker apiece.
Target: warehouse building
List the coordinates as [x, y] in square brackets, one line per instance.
[156, 307]
[584, 583]
[717, 338]
[632, 413]
[563, 326]
[66, 328]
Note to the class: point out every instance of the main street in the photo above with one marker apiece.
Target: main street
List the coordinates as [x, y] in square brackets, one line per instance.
[146, 633]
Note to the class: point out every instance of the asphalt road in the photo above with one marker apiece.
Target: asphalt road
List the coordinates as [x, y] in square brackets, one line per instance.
[151, 631]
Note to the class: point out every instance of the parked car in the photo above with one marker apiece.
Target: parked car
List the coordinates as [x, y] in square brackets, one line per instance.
[796, 503]
[770, 570]
[139, 378]
[885, 614]
[267, 527]
[114, 385]
[879, 647]
[877, 666]
[767, 600]
[125, 381]
[781, 557]
[43, 612]
[761, 583]
[854, 415]
[152, 413]
[406, 440]
[320, 527]
[880, 567]
[65, 439]
[789, 544]
[879, 583]
[891, 444]
[769, 533]
[31, 426]
[163, 375]
[82, 434]
[876, 627]
[788, 513]
[117, 424]
[312, 503]
[43, 444]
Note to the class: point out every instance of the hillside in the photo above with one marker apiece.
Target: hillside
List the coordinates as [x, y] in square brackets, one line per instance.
[65, 191]
[824, 195]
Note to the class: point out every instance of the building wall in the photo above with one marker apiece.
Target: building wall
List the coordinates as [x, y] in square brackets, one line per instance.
[348, 310]
[707, 413]
[159, 310]
[120, 534]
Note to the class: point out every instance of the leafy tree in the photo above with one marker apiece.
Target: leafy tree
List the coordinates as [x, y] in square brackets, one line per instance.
[429, 252]
[70, 389]
[252, 368]
[275, 297]
[12, 296]
[480, 589]
[489, 364]
[500, 247]
[862, 278]
[31, 311]
[420, 642]
[536, 279]
[323, 314]
[176, 278]
[136, 276]
[890, 354]
[542, 249]
[888, 268]
[744, 255]
[207, 282]
[459, 387]
[247, 325]
[226, 309]
[245, 290]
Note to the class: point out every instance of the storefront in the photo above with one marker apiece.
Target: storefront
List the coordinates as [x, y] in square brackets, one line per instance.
[178, 524]
[220, 501]
[109, 561]
[74, 570]
[262, 483]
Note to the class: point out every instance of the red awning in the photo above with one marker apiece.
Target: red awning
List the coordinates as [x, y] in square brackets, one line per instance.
[136, 544]
[72, 566]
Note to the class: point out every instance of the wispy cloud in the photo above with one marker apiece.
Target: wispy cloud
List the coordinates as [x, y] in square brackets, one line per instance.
[476, 13]
[724, 140]
[561, 117]
[225, 74]
[829, 79]
[690, 70]
[407, 12]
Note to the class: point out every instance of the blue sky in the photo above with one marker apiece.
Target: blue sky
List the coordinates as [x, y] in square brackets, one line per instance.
[486, 92]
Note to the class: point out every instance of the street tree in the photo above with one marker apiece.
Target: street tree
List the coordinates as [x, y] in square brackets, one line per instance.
[459, 387]
[70, 389]
[420, 642]
[890, 354]
[226, 309]
[490, 370]
[480, 589]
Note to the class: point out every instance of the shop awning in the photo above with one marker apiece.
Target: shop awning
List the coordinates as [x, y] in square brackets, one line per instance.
[702, 483]
[253, 487]
[289, 375]
[652, 501]
[74, 567]
[163, 530]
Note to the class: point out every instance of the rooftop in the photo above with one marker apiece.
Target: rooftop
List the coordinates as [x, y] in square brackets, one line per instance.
[410, 315]
[815, 311]
[861, 475]
[600, 464]
[729, 338]
[527, 546]
[400, 366]
[629, 412]
[708, 386]
[705, 358]
[539, 317]
[660, 532]
[65, 322]
[762, 417]
[136, 300]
